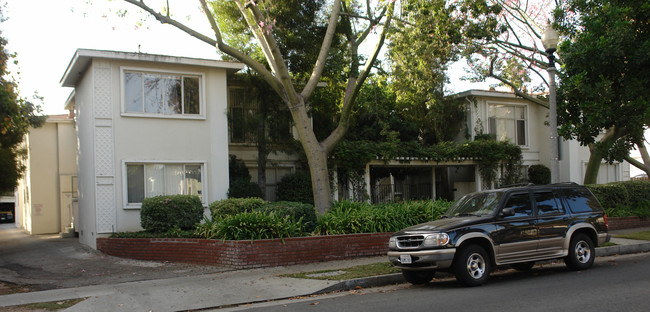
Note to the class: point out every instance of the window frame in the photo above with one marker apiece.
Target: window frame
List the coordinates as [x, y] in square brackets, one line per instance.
[125, 186]
[183, 74]
[516, 120]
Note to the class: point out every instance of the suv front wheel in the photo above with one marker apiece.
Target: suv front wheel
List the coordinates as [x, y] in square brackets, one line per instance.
[581, 252]
[472, 266]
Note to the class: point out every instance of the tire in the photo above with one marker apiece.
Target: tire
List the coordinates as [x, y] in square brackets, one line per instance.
[523, 266]
[418, 277]
[472, 266]
[581, 253]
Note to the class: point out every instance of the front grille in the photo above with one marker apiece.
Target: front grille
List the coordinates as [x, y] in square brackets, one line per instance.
[411, 241]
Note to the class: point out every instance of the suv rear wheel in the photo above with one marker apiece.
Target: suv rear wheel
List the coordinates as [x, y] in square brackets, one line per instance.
[581, 252]
[418, 277]
[472, 266]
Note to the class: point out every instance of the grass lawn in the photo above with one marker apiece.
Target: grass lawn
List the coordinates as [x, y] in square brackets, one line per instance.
[638, 235]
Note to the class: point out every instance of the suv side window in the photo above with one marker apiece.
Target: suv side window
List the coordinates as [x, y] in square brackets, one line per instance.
[581, 200]
[547, 203]
[520, 203]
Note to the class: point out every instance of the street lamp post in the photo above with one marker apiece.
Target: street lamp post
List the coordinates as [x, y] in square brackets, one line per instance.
[550, 39]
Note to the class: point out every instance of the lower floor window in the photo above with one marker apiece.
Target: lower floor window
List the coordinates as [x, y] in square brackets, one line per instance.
[153, 179]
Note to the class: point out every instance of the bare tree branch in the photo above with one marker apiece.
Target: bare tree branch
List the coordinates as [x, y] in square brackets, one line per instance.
[324, 51]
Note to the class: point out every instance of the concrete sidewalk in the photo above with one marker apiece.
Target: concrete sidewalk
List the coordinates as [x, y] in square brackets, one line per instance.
[227, 288]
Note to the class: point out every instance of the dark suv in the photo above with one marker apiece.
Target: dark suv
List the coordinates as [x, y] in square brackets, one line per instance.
[511, 226]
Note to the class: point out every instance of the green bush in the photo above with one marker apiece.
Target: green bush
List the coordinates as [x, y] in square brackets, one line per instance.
[166, 213]
[539, 174]
[297, 212]
[353, 217]
[295, 187]
[244, 189]
[233, 206]
[624, 199]
[256, 225]
[638, 192]
[240, 180]
[610, 195]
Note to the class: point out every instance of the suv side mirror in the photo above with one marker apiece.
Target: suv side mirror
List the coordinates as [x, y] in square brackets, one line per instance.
[507, 212]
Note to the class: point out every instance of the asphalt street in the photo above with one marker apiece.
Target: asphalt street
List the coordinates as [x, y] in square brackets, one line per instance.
[614, 283]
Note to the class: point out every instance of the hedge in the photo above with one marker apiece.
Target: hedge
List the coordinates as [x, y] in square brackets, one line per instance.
[167, 212]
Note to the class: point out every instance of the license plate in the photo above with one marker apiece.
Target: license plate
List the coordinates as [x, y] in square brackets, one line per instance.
[405, 259]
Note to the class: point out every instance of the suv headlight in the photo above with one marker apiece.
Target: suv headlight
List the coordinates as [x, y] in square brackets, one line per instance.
[436, 239]
[392, 243]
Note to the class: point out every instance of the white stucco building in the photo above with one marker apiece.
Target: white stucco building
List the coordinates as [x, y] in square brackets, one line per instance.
[146, 125]
[46, 194]
[502, 115]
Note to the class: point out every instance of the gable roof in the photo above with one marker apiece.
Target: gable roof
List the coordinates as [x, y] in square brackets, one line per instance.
[82, 58]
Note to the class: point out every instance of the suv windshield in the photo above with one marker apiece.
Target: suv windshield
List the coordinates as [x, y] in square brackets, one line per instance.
[477, 204]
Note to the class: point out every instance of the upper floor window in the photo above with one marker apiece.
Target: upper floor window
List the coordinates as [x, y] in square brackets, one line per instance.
[245, 115]
[162, 93]
[508, 122]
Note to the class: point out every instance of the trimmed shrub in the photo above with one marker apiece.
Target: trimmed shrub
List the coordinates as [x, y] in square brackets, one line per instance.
[297, 212]
[244, 189]
[610, 195]
[354, 217]
[233, 206]
[257, 225]
[237, 170]
[638, 192]
[539, 174]
[165, 213]
[295, 187]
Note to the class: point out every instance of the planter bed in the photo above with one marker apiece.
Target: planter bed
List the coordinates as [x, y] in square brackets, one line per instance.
[248, 254]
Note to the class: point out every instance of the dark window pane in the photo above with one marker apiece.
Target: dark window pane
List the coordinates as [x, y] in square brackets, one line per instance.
[135, 183]
[521, 132]
[581, 200]
[191, 95]
[546, 203]
[521, 205]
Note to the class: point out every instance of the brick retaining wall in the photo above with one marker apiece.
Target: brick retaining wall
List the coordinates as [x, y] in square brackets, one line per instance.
[247, 254]
[269, 252]
[627, 223]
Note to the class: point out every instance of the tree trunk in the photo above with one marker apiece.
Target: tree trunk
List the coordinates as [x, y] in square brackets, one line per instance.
[595, 158]
[262, 152]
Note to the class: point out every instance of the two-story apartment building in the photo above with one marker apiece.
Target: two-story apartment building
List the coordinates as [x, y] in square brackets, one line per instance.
[503, 116]
[146, 125]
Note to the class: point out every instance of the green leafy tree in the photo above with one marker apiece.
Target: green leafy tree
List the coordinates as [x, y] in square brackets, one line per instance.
[16, 116]
[605, 78]
[355, 21]
[430, 35]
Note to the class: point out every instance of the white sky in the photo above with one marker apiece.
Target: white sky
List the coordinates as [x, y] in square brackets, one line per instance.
[46, 34]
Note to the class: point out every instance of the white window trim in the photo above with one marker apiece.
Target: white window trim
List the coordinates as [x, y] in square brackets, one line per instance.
[527, 121]
[204, 179]
[202, 98]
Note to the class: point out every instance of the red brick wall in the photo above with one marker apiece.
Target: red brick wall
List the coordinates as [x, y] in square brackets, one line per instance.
[627, 223]
[247, 254]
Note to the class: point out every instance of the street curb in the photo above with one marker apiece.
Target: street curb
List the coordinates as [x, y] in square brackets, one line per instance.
[364, 282]
[397, 278]
[622, 249]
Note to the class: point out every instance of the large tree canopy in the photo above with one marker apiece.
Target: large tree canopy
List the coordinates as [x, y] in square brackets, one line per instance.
[16, 116]
[605, 77]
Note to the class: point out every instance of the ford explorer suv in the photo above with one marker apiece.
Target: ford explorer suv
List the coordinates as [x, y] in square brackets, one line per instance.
[514, 226]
